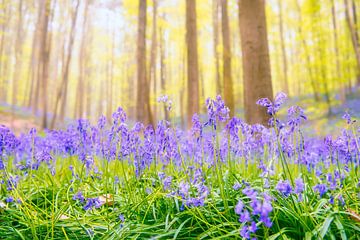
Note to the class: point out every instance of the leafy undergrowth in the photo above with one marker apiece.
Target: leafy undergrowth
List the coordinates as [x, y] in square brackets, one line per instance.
[222, 179]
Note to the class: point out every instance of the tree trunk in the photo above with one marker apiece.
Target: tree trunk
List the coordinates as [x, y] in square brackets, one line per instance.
[163, 70]
[18, 56]
[256, 62]
[228, 84]
[143, 112]
[283, 51]
[337, 75]
[152, 72]
[354, 36]
[307, 57]
[192, 61]
[79, 104]
[62, 93]
[44, 54]
[216, 44]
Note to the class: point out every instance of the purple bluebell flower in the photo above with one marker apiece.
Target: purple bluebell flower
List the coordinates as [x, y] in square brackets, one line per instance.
[245, 216]
[237, 186]
[79, 196]
[299, 186]
[92, 203]
[239, 207]
[284, 187]
[320, 188]
[348, 119]
[244, 232]
[252, 227]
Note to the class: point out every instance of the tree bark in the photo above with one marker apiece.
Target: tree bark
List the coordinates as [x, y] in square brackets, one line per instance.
[354, 37]
[44, 54]
[192, 61]
[256, 62]
[143, 113]
[228, 84]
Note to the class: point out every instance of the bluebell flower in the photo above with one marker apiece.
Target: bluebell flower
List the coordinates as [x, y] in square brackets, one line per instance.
[320, 188]
[239, 207]
[245, 216]
[79, 196]
[299, 186]
[284, 187]
[348, 119]
[92, 203]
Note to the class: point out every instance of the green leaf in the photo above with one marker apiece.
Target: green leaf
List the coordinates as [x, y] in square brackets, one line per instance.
[325, 227]
[340, 227]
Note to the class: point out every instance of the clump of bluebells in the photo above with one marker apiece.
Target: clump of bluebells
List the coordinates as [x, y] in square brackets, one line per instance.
[262, 181]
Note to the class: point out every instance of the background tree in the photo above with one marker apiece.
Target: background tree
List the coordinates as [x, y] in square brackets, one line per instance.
[228, 84]
[192, 61]
[256, 63]
[143, 106]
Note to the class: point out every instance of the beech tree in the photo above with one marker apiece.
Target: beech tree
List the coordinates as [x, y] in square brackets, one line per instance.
[192, 61]
[143, 111]
[256, 63]
[228, 84]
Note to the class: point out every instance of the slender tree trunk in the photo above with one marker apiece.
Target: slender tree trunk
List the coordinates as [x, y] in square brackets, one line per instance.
[111, 78]
[152, 72]
[79, 105]
[4, 51]
[354, 36]
[307, 56]
[192, 61]
[256, 62]
[62, 93]
[2, 43]
[18, 57]
[228, 84]
[44, 54]
[283, 51]
[338, 76]
[216, 45]
[32, 102]
[163, 69]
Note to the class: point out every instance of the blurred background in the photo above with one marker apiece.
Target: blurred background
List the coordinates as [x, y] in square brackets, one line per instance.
[66, 59]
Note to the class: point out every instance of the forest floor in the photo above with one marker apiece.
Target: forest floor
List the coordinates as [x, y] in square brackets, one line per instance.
[319, 120]
[18, 122]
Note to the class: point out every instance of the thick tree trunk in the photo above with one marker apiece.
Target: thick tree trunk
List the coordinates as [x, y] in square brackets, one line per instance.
[192, 61]
[256, 62]
[143, 112]
[228, 84]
